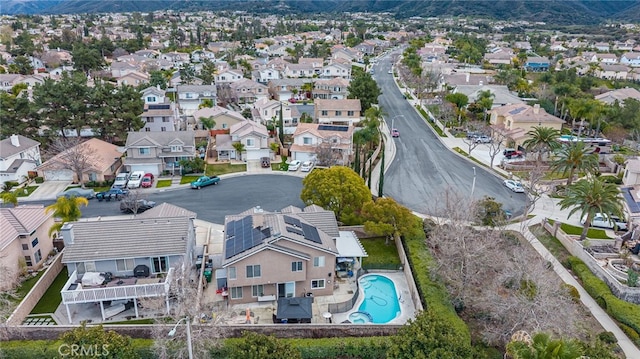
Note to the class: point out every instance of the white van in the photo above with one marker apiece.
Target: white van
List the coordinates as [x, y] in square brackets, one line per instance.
[136, 179]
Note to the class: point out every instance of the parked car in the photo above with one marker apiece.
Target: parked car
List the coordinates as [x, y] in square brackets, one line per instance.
[87, 193]
[147, 180]
[136, 206]
[395, 133]
[121, 180]
[265, 162]
[135, 180]
[482, 139]
[294, 165]
[113, 193]
[205, 181]
[603, 220]
[306, 166]
[511, 153]
[515, 186]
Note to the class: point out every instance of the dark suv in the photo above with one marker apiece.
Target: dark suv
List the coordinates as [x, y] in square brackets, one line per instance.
[511, 153]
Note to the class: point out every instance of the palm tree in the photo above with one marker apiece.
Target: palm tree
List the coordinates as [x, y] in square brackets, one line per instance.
[591, 196]
[67, 209]
[485, 101]
[308, 87]
[9, 197]
[574, 157]
[208, 122]
[542, 140]
[543, 347]
[274, 146]
[239, 147]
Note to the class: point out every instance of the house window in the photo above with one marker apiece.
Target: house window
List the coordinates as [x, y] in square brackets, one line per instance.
[90, 266]
[338, 113]
[257, 290]
[34, 243]
[80, 268]
[317, 284]
[306, 140]
[253, 271]
[189, 95]
[147, 129]
[144, 150]
[236, 292]
[27, 260]
[296, 266]
[231, 273]
[251, 142]
[160, 264]
[123, 265]
[350, 113]
[25, 247]
[163, 129]
[318, 261]
[149, 119]
[224, 126]
[37, 256]
[176, 148]
[165, 119]
[324, 113]
[151, 99]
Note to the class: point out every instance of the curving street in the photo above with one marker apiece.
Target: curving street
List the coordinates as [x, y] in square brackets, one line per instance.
[424, 168]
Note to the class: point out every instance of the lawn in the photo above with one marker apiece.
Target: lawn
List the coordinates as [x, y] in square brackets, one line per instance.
[592, 233]
[380, 254]
[26, 286]
[52, 298]
[163, 183]
[29, 189]
[550, 242]
[224, 168]
[188, 179]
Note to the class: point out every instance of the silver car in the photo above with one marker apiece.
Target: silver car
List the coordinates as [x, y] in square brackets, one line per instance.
[87, 193]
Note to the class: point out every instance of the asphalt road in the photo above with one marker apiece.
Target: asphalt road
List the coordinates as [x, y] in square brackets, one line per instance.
[231, 196]
[424, 168]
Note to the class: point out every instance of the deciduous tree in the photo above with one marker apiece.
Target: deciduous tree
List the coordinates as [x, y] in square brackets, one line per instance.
[364, 88]
[73, 154]
[338, 189]
[385, 217]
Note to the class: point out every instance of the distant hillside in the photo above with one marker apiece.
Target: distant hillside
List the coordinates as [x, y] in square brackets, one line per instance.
[565, 12]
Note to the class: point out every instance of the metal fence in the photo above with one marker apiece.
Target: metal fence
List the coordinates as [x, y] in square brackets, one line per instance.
[348, 305]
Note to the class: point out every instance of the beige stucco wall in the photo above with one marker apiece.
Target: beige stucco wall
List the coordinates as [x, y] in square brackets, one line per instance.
[9, 264]
[45, 243]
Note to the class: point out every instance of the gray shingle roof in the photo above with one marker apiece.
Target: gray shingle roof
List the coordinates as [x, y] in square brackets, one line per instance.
[7, 149]
[127, 238]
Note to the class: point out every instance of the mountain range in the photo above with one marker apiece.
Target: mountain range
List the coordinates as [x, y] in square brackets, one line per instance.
[565, 12]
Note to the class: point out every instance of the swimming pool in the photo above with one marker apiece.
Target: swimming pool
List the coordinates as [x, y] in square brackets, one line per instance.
[380, 302]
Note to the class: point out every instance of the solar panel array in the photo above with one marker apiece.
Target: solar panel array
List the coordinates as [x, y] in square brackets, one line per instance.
[517, 110]
[291, 220]
[241, 236]
[309, 232]
[159, 107]
[333, 128]
[295, 230]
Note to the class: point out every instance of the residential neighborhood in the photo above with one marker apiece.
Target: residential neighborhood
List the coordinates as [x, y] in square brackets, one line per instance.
[211, 174]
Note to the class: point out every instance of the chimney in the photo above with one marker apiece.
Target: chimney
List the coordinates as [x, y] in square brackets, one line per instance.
[536, 108]
[15, 141]
[67, 233]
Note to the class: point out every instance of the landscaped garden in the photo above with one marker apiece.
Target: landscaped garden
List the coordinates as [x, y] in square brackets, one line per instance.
[218, 169]
[382, 255]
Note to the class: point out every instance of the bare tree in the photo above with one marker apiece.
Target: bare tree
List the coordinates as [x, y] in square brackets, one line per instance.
[496, 145]
[133, 202]
[74, 154]
[325, 155]
[495, 278]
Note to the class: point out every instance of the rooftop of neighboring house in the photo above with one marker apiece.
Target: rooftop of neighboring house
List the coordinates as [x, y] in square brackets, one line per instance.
[217, 111]
[324, 131]
[15, 144]
[21, 220]
[160, 138]
[246, 127]
[343, 104]
[619, 94]
[166, 210]
[127, 238]
[102, 155]
[526, 113]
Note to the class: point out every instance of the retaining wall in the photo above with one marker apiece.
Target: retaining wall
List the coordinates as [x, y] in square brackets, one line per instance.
[629, 294]
[31, 299]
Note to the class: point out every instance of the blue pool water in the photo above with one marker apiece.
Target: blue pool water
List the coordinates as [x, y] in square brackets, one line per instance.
[380, 304]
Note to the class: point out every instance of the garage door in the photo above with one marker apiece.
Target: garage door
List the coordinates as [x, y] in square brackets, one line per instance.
[153, 169]
[256, 154]
[58, 175]
[303, 156]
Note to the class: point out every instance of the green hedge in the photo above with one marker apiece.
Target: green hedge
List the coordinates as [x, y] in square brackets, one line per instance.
[36, 349]
[628, 314]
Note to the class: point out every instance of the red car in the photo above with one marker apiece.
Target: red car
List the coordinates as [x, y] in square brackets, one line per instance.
[147, 180]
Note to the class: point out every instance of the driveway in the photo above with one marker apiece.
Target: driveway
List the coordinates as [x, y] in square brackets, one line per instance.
[47, 190]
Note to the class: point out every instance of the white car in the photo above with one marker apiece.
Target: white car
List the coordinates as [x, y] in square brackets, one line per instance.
[515, 186]
[294, 165]
[136, 179]
[604, 221]
[306, 166]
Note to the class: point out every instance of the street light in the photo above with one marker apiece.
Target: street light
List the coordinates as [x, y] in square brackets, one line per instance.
[393, 121]
[473, 185]
[172, 332]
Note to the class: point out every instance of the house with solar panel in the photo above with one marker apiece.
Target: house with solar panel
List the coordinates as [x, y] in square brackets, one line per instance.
[159, 114]
[514, 121]
[273, 255]
[337, 112]
[328, 144]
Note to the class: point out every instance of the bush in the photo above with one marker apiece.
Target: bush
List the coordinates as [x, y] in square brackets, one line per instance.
[607, 337]
[573, 292]
[39, 179]
[611, 179]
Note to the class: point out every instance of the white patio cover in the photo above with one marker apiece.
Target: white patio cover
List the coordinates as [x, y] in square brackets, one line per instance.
[349, 245]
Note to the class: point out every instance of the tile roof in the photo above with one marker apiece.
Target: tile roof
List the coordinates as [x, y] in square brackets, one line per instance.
[312, 128]
[344, 104]
[167, 210]
[21, 220]
[103, 155]
[526, 113]
[127, 238]
[161, 138]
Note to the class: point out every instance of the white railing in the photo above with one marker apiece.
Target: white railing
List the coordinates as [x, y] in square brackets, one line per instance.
[89, 295]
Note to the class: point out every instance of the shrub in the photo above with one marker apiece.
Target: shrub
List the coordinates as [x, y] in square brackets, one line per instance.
[573, 292]
[607, 337]
[611, 179]
[39, 179]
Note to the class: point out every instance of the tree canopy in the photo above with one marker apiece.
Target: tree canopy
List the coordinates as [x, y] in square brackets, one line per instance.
[255, 345]
[364, 88]
[385, 217]
[338, 189]
[67, 209]
[97, 342]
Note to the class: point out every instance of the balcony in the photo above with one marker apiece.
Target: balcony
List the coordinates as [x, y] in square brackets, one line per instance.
[139, 288]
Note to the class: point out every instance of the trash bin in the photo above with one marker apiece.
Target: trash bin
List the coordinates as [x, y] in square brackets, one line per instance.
[208, 273]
